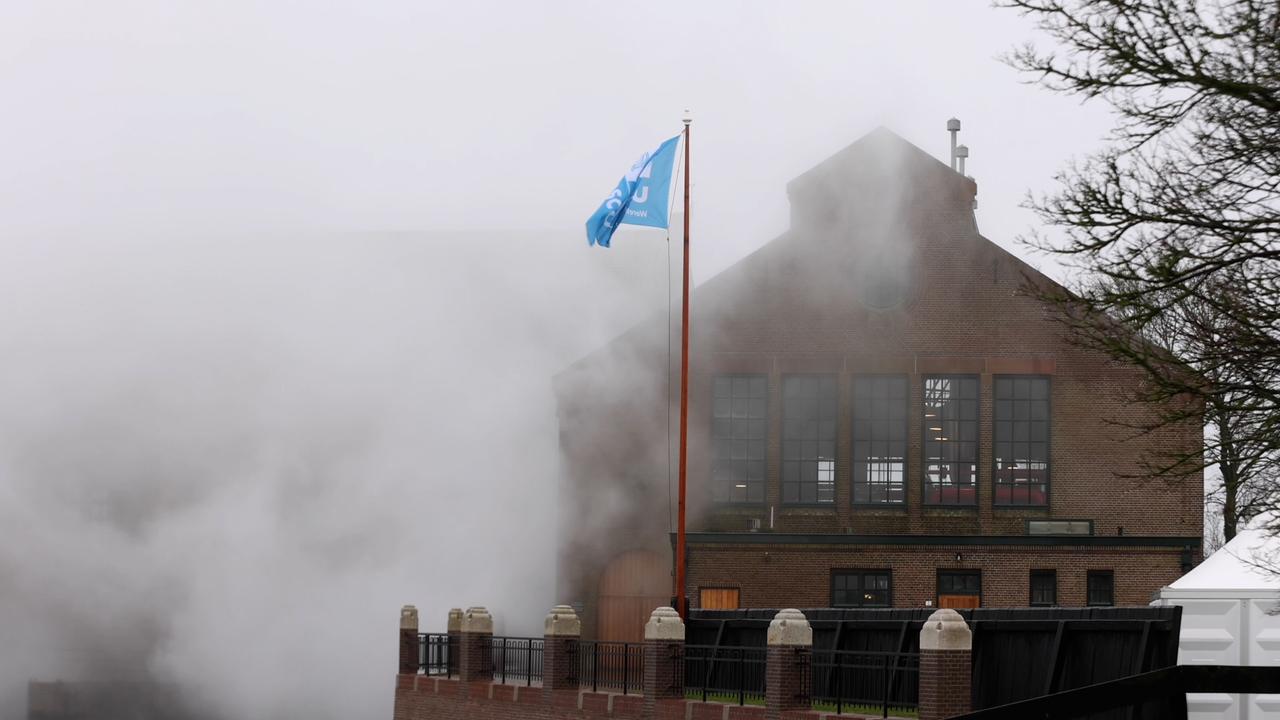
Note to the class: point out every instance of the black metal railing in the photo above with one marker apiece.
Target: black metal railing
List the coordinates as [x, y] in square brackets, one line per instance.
[437, 654]
[725, 674]
[865, 681]
[515, 660]
[616, 666]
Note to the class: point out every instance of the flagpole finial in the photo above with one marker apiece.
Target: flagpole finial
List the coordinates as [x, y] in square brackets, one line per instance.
[688, 117]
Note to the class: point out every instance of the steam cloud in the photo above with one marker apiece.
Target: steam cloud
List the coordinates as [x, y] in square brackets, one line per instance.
[226, 462]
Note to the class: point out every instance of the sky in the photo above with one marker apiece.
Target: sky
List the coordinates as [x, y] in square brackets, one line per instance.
[283, 285]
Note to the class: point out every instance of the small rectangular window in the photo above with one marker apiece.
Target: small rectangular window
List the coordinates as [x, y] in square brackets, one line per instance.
[1020, 438]
[739, 425]
[1101, 587]
[809, 439]
[879, 440]
[861, 588]
[950, 440]
[1044, 588]
[1059, 527]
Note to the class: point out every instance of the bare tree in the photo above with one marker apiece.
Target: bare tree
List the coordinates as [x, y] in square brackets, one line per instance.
[1176, 223]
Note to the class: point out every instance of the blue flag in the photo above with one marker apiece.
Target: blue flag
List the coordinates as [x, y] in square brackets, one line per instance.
[641, 197]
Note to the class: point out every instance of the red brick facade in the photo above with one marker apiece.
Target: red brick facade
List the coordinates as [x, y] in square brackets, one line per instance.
[945, 683]
[772, 575]
[799, 306]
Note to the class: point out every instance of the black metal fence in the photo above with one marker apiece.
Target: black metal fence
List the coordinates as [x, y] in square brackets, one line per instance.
[725, 674]
[865, 682]
[517, 660]
[608, 666]
[1018, 653]
[512, 660]
[437, 654]
[612, 666]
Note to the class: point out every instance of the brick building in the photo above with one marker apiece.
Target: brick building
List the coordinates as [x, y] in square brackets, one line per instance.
[879, 417]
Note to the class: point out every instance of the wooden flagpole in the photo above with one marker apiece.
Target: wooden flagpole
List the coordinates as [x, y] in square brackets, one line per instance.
[682, 603]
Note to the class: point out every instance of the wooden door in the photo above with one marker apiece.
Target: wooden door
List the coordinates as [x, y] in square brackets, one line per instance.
[633, 584]
[718, 598]
[957, 602]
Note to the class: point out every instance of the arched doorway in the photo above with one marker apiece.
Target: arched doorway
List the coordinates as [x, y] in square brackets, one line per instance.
[633, 584]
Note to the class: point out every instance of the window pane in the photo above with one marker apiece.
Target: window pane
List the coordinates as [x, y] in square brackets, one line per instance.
[1101, 589]
[738, 438]
[1044, 587]
[960, 582]
[808, 438]
[950, 433]
[861, 588]
[879, 414]
[1020, 438]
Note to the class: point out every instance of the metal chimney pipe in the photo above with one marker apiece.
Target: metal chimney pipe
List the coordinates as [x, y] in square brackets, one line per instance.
[953, 127]
[962, 152]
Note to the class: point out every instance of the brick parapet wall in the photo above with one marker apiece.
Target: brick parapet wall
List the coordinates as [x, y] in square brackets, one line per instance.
[419, 697]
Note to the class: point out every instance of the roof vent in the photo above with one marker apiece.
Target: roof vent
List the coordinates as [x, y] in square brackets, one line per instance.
[962, 152]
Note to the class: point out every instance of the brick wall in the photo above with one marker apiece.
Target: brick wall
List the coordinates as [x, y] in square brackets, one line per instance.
[419, 697]
[950, 696]
[795, 306]
[799, 576]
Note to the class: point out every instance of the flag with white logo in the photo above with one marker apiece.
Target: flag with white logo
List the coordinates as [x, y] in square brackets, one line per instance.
[641, 198]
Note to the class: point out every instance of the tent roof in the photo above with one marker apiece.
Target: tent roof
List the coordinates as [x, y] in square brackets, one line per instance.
[1235, 565]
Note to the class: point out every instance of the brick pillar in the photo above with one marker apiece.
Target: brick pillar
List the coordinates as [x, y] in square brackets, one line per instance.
[454, 651]
[408, 640]
[475, 646]
[560, 634]
[946, 666]
[789, 656]
[663, 659]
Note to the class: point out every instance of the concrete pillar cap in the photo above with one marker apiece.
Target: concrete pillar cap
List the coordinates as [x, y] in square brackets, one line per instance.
[946, 630]
[790, 627]
[409, 618]
[664, 624]
[477, 620]
[562, 621]
[455, 620]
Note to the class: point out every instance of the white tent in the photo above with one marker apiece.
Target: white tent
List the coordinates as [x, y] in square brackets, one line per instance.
[1231, 616]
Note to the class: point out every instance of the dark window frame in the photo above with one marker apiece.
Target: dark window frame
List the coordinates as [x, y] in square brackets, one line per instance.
[996, 483]
[1029, 521]
[925, 482]
[1110, 577]
[716, 439]
[783, 482]
[861, 573]
[906, 441]
[1042, 574]
[967, 572]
